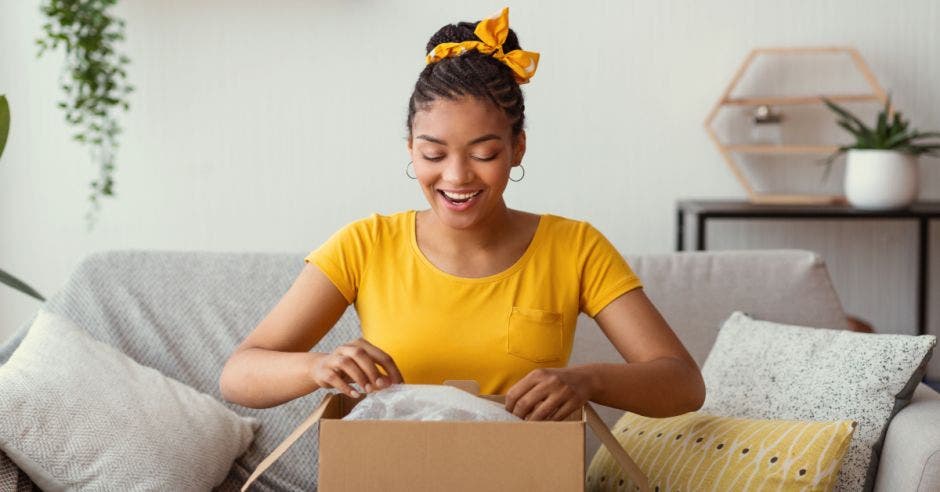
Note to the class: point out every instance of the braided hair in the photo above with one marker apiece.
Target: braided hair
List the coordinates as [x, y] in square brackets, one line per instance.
[472, 74]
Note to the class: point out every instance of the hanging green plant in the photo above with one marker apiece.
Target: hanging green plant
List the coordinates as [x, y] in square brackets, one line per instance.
[93, 79]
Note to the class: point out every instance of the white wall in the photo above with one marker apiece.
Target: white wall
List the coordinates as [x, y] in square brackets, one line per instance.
[264, 126]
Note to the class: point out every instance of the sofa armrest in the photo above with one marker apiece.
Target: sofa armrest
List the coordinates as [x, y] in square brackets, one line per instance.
[910, 458]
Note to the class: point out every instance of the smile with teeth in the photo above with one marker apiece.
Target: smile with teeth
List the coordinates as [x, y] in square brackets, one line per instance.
[459, 197]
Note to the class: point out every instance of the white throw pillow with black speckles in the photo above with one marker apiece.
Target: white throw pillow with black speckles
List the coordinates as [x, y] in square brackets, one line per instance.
[765, 370]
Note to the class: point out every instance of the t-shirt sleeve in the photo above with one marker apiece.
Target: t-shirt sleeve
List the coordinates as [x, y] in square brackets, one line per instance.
[344, 256]
[605, 274]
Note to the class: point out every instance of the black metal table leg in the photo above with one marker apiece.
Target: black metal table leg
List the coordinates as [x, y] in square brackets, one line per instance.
[923, 266]
[680, 229]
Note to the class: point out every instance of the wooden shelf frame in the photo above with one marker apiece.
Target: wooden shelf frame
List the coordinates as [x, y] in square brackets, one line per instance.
[728, 151]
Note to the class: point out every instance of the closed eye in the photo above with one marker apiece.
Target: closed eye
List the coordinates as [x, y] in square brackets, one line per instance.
[475, 157]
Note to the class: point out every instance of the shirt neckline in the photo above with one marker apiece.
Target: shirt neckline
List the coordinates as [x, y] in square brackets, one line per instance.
[533, 244]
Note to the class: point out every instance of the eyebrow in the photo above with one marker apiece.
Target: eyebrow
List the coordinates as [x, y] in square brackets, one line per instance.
[488, 136]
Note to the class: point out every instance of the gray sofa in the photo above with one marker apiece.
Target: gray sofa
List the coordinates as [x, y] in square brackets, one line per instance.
[183, 313]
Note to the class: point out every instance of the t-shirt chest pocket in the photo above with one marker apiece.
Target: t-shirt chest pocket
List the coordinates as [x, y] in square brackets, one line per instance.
[535, 334]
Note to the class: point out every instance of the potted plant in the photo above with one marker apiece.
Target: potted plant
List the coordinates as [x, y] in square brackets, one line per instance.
[5, 277]
[881, 169]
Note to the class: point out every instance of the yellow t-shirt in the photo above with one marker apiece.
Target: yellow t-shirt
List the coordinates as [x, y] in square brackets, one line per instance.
[495, 329]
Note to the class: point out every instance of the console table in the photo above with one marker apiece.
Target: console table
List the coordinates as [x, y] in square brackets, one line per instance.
[700, 211]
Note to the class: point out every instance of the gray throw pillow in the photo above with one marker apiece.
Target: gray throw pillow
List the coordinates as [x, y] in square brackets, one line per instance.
[764, 370]
[79, 414]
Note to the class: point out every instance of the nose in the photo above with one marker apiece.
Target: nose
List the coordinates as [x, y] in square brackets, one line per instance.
[457, 171]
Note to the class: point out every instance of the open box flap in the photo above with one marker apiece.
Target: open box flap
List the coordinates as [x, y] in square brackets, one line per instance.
[594, 421]
[289, 441]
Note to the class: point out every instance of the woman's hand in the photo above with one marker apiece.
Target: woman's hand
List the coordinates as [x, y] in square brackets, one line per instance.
[355, 362]
[548, 394]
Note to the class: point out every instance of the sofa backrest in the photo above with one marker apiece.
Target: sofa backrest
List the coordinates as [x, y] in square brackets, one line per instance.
[697, 291]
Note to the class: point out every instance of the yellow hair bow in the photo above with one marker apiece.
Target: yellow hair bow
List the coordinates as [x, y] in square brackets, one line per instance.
[492, 33]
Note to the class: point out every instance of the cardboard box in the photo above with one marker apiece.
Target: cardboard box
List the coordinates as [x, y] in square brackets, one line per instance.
[401, 455]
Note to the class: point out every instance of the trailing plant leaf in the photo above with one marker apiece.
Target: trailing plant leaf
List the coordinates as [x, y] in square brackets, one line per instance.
[19, 285]
[4, 122]
[94, 80]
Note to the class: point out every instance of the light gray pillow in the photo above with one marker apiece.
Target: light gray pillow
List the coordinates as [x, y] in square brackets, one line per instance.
[765, 370]
[78, 414]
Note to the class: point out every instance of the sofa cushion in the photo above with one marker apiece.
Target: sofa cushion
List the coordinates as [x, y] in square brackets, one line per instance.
[760, 369]
[697, 451]
[78, 414]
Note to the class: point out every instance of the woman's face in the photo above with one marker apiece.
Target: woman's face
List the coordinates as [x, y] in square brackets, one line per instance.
[462, 152]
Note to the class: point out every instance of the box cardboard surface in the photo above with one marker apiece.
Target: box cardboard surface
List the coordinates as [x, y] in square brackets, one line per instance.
[401, 455]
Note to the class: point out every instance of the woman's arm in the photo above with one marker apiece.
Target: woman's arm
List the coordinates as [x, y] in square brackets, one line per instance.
[272, 365]
[659, 379]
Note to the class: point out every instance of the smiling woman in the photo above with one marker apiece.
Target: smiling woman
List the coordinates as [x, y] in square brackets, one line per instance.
[469, 288]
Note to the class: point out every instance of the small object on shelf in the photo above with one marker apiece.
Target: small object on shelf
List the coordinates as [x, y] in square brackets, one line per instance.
[766, 126]
[770, 142]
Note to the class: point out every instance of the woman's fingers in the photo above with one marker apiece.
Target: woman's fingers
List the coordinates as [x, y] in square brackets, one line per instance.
[336, 381]
[519, 399]
[384, 360]
[566, 410]
[544, 394]
[366, 365]
[358, 362]
[522, 398]
[545, 408]
[351, 367]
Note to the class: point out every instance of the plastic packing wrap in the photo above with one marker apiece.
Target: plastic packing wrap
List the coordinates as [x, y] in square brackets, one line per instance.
[427, 402]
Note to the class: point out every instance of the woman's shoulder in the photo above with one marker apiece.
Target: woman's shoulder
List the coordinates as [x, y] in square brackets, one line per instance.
[566, 227]
[377, 225]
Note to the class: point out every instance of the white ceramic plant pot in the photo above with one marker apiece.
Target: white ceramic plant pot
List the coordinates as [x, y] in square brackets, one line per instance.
[880, 179]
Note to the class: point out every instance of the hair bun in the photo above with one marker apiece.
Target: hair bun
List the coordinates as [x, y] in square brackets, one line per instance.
[464, 31]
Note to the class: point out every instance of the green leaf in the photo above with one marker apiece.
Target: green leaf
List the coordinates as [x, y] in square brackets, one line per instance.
[847, 115]
[19, 285]
[897, 141]
[860, 138]
[4, 122]
[881, 130]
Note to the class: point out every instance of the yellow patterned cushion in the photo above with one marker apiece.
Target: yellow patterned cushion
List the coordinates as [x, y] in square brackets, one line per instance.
[696, 451]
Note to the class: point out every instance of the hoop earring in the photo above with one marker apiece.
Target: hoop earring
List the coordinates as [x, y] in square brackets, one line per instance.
[411, 164]
[520, 177]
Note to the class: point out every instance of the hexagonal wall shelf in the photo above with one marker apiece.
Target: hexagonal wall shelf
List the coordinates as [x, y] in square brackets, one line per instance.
[729, 150]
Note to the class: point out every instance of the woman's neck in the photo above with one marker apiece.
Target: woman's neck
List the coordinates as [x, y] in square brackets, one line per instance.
[483, 236]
